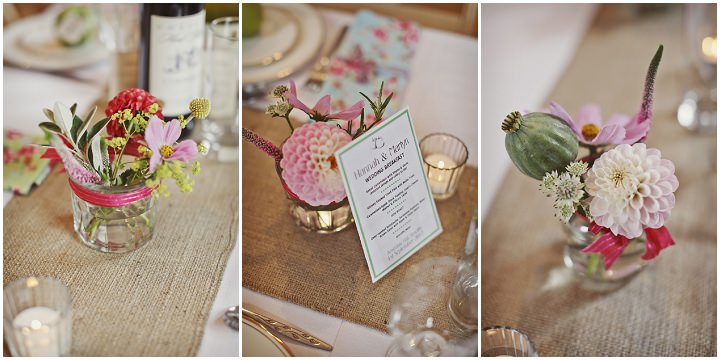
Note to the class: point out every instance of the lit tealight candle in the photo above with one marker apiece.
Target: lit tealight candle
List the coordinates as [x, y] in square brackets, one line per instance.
[439, 177]
[709, 49]
[37, 330]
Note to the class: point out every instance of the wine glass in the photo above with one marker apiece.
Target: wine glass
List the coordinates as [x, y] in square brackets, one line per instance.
[697, 111]
[419, 320]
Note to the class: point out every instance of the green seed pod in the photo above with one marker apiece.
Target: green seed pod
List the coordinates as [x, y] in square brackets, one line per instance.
[538, 143]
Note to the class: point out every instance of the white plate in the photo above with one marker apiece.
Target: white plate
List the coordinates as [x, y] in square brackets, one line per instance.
[290, 36]
[257, 341]
[30, 43]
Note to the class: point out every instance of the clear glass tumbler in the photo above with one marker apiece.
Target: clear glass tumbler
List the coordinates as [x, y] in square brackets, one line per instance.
[114, 229]
[120, 32]
[506, 341]
[220, 131]
[463, 302]
[37, 314]
[444, 158]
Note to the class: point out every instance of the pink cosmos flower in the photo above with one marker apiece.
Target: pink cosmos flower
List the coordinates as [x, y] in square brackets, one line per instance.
[619, 129]
[321, 110]
[590, 129]
[308, 165]
[161, 138]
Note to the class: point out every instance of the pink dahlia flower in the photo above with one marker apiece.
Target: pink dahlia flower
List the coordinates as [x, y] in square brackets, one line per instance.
[161, 140]
[590, 129]
[321, 110]
[632, 189]
[308, 165]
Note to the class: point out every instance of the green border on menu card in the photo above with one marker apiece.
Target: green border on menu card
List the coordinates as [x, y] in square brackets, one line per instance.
[438, 228]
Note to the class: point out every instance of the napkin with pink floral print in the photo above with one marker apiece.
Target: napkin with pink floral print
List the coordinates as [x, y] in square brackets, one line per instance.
[375, 49]
[23, 166]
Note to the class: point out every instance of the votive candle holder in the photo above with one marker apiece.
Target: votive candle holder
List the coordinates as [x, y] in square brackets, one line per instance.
[444, 158]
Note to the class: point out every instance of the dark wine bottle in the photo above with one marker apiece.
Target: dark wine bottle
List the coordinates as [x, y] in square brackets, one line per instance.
[170, 60]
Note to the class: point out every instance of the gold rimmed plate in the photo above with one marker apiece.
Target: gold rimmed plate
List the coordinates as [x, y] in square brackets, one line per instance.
[258, 341]
[290, 37]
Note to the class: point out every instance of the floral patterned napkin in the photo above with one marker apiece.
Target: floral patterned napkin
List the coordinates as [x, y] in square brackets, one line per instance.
[22, 165]
[375, 49]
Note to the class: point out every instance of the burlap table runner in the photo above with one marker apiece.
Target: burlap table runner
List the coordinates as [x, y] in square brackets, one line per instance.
[669, 309]
[327, 273]
[153, 301]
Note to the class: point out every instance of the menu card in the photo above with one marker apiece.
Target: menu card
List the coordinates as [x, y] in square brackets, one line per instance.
[389, 194]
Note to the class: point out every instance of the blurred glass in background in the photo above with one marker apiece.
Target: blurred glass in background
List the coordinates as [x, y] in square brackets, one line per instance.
[698, 110]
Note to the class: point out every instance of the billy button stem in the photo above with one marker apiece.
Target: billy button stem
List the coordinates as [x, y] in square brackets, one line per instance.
[512, 122]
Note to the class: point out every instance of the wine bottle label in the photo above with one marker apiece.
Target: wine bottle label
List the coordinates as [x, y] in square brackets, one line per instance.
[175, 67]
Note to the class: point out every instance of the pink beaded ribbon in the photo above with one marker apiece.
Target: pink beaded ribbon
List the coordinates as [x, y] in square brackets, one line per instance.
[109, 200]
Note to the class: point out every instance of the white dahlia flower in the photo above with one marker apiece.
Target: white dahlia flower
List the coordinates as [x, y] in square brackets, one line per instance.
[632, 189]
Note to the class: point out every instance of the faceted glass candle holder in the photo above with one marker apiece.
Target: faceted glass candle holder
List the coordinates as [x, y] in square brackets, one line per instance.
[506, 341]
[37, 314]
[444, 158]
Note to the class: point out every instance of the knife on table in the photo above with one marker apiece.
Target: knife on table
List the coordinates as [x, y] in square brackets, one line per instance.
[291, 332]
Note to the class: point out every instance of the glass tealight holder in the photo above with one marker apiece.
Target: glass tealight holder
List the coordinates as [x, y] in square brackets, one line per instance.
[37, 314]
[506, 341]
[444, 158]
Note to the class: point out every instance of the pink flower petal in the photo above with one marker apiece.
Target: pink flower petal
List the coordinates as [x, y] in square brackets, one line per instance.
[588, 114]
[323, 106]
[655, 241]
[172, 132]
[291, 97]
[560, 112]
[609, 134]
[154, 134]
[620, 119]
[184, 151]
[609, 245]
[636, 130]
[349, 113]
[155, 160]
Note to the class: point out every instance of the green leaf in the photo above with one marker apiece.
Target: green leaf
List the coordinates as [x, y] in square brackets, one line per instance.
[87, 121]
[75, 130]
[372, 103]
[73, 108]
[50, 127]
[96, 129]
[66, 118]
[387, 101]
[49, 114]
[84, 141]
[96, 159]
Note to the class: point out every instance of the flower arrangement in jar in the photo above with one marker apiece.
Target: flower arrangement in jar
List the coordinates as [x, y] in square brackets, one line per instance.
[616, 200]
[113, 176]
[305, 162]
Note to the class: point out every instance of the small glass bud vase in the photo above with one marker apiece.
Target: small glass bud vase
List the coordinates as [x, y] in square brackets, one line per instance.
[324, 219]
[113, 219]
[591, 266]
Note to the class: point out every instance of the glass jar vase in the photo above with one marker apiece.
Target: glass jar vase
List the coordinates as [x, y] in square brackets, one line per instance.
[113, 219]
[324, 219]
[590, 265]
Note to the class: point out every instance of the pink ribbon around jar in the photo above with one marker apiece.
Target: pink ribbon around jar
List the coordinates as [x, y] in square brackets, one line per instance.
[109, 200]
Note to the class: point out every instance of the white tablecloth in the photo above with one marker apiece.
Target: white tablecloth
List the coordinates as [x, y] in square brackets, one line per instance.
[443, 97]
[26, 93]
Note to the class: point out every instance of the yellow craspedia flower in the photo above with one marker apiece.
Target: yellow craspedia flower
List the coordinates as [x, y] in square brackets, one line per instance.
[200, 108]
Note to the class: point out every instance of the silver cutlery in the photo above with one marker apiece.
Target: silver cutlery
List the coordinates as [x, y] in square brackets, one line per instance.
[231, 317]
[291, 332]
